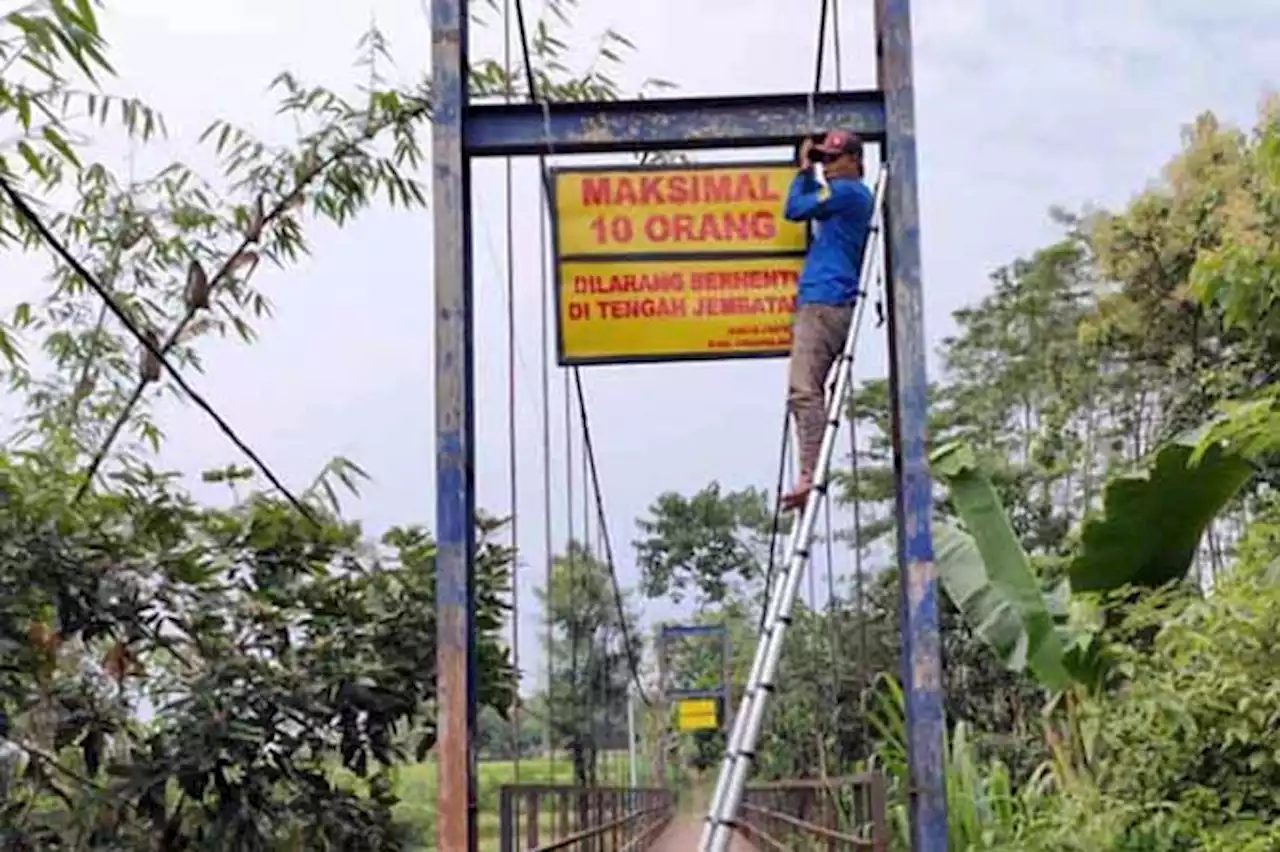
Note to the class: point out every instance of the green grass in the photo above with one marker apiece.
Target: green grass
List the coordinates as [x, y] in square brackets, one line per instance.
[416, 787]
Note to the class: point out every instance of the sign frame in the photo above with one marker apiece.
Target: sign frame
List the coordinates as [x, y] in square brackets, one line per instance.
[722, 693]
[717, 714]
[558, 259]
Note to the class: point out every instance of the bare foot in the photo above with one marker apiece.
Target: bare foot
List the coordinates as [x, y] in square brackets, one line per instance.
[796, 499]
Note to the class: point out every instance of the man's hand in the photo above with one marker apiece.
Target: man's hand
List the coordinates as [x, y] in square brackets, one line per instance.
[806, 145]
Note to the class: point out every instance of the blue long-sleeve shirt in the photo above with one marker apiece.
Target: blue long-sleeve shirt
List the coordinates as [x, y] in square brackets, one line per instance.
[842, 214]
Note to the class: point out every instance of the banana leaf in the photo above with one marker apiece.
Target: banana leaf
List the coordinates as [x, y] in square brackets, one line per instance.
[1153, 519]
[988, 575]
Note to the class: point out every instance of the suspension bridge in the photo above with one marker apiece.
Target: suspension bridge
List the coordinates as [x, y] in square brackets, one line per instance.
[830, 813]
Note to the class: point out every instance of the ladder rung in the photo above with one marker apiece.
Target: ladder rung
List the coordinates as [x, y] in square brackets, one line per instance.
[740, 750]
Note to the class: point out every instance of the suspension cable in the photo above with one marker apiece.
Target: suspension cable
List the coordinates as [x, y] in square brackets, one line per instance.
[834, 684]
[786, 412]
[547, 526]
[511, 405]
[777, 516]
[548, 532]
[822, 39]
[571, 557]
[855, 482]
[589, 448]
[837, 42]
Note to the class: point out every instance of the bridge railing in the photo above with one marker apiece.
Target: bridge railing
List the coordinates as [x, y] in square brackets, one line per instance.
[846, 814]
[554, 818]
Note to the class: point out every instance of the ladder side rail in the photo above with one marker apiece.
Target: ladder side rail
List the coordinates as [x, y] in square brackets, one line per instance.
[740, 750]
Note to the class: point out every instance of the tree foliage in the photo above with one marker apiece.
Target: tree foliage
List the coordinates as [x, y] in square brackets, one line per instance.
[193, 676]
[174, 676]
[1106, 429]
[704, 543]
[591, 656]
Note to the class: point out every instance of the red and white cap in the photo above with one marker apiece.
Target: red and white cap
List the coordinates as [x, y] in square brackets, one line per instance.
[838, 142]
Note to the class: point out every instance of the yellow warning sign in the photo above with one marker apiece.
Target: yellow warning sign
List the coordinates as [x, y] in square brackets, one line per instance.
[671, 264]
[697, 714]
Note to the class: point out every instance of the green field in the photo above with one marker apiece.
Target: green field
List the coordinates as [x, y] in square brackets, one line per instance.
[416, 786]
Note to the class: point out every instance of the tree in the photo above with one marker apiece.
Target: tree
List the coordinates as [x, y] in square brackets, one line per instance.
[595, 646]
[269, 648]
[275, 649]
[1018, 385]
[702, 545]
[496, 735]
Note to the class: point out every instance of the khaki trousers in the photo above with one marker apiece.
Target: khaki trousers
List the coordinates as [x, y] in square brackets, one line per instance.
[818, 336]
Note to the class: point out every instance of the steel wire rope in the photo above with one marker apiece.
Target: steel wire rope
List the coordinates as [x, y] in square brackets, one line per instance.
[153, 348]
[602, 522]
[777, 515]
[498, 270]
[586, 431]
[548, 526]
[855, 487]
[604, 679]
[594, 684]
[544, 280]
[822, 45]
[832, 656]
[570, 562]
[771, 567]
[512, 462]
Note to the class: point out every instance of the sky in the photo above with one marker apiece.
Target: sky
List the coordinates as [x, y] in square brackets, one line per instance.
[1020, 106]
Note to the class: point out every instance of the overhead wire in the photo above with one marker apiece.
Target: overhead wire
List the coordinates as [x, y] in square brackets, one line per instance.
[601, 681]
[148, 342]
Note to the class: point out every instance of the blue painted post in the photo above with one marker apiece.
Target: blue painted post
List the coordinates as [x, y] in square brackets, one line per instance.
[921, 652]
[455, 447]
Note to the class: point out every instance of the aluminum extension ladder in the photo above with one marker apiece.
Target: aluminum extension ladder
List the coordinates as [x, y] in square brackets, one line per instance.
[740, 751]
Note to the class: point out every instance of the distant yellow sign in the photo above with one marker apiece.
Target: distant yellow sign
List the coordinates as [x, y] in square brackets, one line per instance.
[660, 264]
[697, 714]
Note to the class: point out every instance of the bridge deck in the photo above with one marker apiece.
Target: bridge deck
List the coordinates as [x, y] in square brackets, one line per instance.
[682, 836]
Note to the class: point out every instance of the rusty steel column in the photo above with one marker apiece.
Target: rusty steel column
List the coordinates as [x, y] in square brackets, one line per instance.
[455, 433]
[921, 642]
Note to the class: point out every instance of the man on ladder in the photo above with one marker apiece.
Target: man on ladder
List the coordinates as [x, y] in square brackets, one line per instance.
[830, 192]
